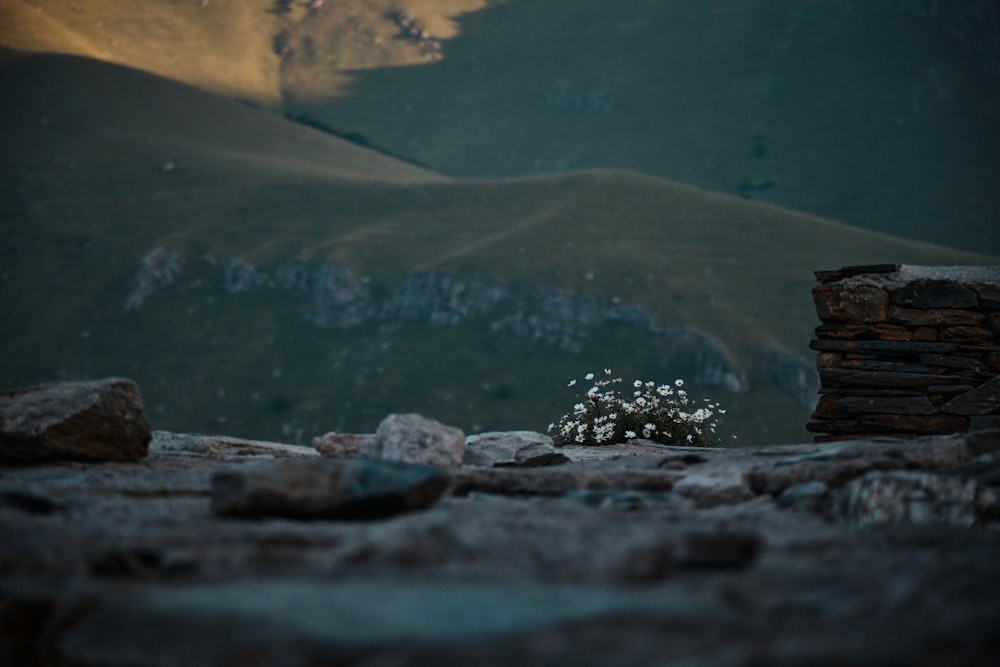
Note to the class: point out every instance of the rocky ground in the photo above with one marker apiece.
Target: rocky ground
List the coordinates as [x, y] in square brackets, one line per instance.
[212, 550]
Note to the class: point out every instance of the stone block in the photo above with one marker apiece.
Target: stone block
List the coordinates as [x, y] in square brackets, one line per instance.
[101, 420]
[983, 400]
[839, 377]
[881, 347]
[963, 334]
[903, 405]
[953, 361]
[935, 316]
[926, 424]
[863, 331]
[992, 361]
[989, 296]
[948, 294]
[829, 360]
[858, 304]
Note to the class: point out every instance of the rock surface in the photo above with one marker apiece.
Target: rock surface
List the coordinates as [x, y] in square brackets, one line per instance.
[327, 489]
[412, 438]
[100, 420]
[632, 554]
[347, 444]
[511, 448]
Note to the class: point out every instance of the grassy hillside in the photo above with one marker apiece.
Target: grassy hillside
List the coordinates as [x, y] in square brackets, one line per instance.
[849, 110]
[263, 279]
[855, 111]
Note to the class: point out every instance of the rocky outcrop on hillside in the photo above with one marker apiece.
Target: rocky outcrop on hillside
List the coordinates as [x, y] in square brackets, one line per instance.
[213, 550]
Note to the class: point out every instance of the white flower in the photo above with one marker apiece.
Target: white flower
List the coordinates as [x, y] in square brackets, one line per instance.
[663, 390]
[640, 402]
[607, 371]
[679, 382]
[579, 409]
[649, 426]
[629, 434]
[571, 383]
[690, 438]
[637, 384]
[592, 392]
[551, 426]
[588, 377]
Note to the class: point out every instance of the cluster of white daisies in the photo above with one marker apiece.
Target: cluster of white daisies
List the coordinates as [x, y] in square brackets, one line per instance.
[655, 412]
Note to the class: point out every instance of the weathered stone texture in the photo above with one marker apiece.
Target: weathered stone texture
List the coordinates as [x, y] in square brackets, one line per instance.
[861, 304]
[328, 488]
[101, 420]
[412, 438]
[925, 366]
[511, 448]
[625, 555]
[346, 444]
[929, 294]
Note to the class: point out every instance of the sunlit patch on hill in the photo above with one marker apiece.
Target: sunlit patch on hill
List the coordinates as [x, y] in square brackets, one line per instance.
[241, 48]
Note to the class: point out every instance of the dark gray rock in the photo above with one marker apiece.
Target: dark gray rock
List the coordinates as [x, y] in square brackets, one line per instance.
[983, 400]
[327, 489]
[804, 496]
[511, 448]
[101, 420]
[935, 294]
[412, 438]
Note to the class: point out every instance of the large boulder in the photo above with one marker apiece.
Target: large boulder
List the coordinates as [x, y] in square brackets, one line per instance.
[101, 420]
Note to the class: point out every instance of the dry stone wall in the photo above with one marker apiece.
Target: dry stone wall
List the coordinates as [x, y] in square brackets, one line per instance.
[906, 350]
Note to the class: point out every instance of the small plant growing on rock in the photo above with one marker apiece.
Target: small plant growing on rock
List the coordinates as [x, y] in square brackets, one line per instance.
[662, 413]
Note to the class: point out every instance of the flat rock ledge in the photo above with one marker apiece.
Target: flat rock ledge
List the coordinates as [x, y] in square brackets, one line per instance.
[212, 550]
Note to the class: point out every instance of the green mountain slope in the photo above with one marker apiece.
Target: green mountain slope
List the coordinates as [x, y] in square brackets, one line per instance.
[264, 279]
[854, 111]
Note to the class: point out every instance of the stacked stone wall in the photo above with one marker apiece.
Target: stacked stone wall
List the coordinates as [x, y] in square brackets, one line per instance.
[906, 351]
